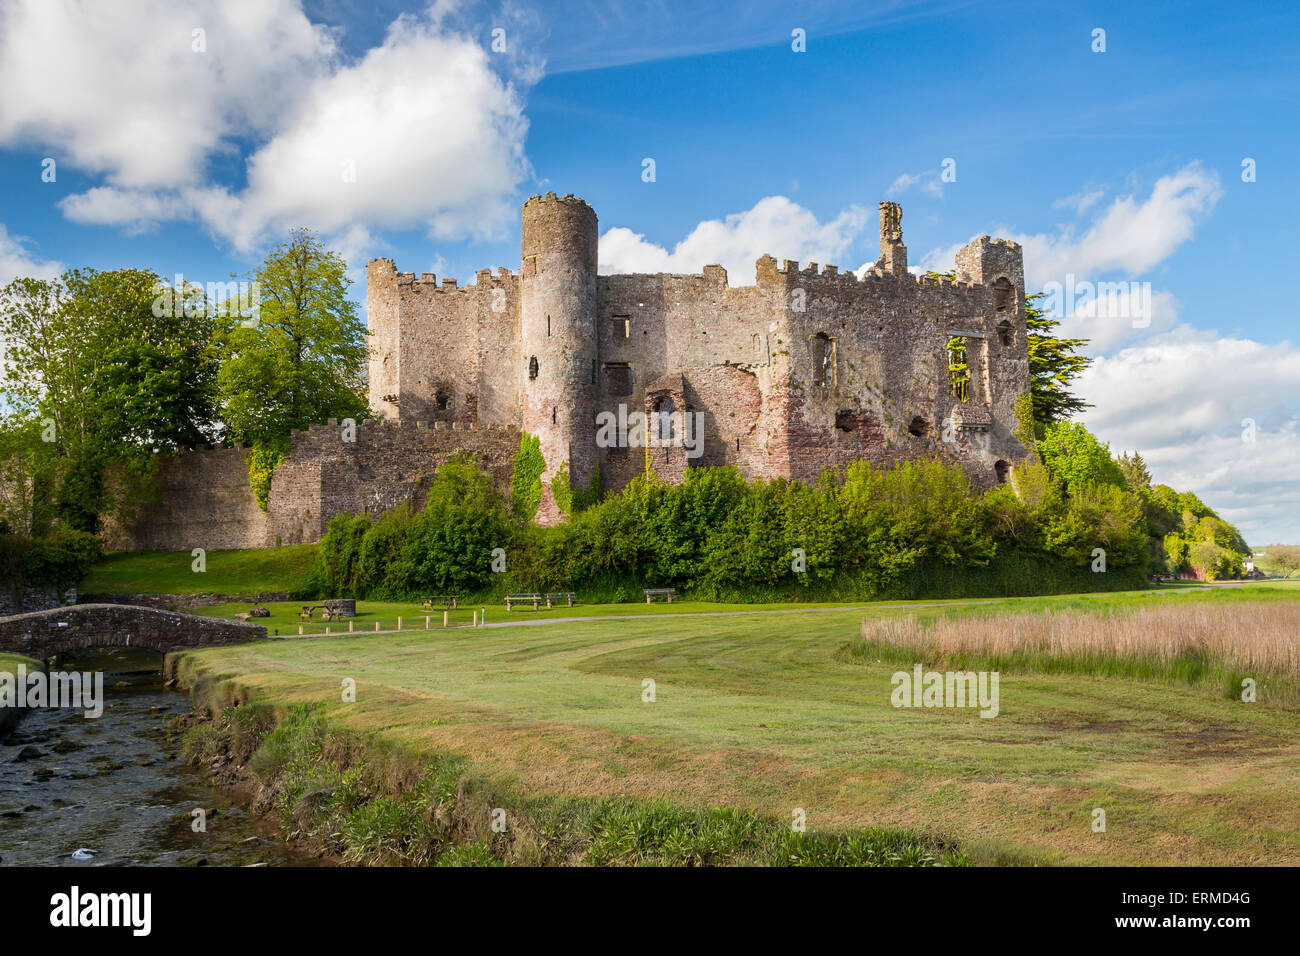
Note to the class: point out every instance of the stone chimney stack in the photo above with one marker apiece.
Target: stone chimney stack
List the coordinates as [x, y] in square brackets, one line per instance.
[893, 254]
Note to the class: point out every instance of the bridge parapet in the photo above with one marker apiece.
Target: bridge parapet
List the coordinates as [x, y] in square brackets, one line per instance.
[42, 634]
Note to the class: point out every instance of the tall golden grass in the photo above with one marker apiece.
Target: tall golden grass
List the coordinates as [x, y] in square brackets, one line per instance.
[1252, 638]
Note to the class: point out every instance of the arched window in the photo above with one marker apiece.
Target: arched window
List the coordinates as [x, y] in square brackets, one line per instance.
[1004, 332]
[532, 368]
[442, 399]
[1001, 469]
[663, 413]
[1004, 295]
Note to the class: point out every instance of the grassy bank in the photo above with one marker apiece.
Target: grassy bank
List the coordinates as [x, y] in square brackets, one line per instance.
[378, 804]
[767, 713]
[246, 572]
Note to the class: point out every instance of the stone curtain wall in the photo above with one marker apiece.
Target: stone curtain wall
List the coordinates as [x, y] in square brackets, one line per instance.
[203, 501]
[206, 501]
[389, 463]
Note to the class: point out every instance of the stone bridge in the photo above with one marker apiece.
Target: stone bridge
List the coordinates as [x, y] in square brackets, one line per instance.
[43, 634]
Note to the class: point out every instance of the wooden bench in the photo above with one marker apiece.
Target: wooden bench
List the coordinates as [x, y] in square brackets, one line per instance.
[568, 597]
[441, 602]
[534, 599]
[652, 593]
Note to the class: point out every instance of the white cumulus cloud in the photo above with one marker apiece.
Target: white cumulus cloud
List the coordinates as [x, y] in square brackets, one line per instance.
[120, 88]
[775, 226]
[421, 131]
[1216, 415]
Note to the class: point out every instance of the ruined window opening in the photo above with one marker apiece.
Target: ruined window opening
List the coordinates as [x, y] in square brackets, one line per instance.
[532, 368]
[663, 416]
[442, 399]
[1004, 294]
[621, 326]
[737, 444]
[1004, 332]
[919, 427]
[823, 359]
[958, 370]
[554, 412]
[618, 378]
[530, 265]
[1001, 469]
[846, 420]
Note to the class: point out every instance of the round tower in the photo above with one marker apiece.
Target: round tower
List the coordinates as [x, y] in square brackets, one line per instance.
[558, 334]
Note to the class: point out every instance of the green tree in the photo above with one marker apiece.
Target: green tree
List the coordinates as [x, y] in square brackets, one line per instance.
[301, 359]
[1054, 364]
[1285, 557]
[109, 376]
[1075, 457]
[1134, 469]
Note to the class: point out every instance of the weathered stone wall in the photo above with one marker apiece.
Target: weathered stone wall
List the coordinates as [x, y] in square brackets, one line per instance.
[388, 463]
[203, 501]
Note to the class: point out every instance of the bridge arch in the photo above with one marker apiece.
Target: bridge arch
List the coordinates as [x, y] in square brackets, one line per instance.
[43, 634]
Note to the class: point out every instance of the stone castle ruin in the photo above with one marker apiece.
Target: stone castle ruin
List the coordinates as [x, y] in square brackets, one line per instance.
[806, 369]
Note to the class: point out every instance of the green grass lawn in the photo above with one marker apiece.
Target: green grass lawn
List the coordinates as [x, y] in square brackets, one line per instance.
[285, 615]
[247, 572]
[767, 712]
[9, 663]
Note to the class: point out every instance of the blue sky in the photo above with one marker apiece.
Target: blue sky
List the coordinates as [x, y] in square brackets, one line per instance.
[1122, 165]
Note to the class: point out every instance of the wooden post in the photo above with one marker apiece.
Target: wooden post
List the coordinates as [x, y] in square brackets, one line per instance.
[349, 627]
[299, 628]
[327, 628]
[445, 616]
[475, 622]
[399, 623]
[426, 622]
[376, 625]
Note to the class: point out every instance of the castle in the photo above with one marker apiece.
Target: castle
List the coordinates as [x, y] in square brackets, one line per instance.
[806, 369]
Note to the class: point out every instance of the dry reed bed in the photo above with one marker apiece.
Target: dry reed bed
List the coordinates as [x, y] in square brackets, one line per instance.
[1249, 638]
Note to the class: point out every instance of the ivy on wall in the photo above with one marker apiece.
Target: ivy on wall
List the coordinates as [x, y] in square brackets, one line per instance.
[262, 460]
[526, 481]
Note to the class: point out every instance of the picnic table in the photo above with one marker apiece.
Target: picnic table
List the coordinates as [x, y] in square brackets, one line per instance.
[569, 597]
[652, 593]
[309, 609]
[440, 602]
